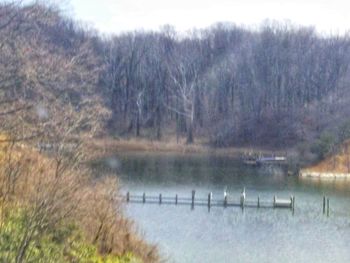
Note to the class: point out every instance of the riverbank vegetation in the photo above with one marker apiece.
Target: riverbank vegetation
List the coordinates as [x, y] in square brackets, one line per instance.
[51, 209]
[337, 161]
[108, 146]
[332, 153]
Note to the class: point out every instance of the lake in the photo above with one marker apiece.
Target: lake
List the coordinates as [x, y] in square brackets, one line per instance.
[232, 234]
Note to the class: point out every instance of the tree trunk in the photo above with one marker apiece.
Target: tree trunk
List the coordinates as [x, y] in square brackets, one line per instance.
[190, 133]
[159, 122]
[138, 124]
[190, 126]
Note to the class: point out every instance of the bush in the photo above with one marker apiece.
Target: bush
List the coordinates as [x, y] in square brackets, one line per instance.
[52, 211]
[324, 145]
[64, 243]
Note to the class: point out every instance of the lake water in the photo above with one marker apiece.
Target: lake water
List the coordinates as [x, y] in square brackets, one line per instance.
[232, 235]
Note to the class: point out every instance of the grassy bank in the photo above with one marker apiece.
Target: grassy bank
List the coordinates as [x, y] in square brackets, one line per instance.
[333, 165]
[102, 147]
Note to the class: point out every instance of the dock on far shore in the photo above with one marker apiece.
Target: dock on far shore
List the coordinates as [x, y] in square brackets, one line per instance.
[261, 160]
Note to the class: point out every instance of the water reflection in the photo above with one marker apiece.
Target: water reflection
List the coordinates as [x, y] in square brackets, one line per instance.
[326, 185]
[233, 235]
[216, 171]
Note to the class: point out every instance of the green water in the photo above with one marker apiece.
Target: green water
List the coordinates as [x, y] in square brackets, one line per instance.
[233, 235]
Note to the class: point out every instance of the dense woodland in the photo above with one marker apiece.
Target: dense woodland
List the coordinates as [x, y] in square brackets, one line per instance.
[277, 86]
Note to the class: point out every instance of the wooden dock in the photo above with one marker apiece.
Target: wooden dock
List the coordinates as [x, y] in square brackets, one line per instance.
[264, 160]
[226, 201]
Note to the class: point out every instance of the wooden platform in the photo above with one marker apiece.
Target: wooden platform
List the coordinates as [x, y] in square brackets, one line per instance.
[268, 160]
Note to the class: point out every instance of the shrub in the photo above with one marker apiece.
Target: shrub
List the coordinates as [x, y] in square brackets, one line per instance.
[51, 210]
[324, 145]
[64, 243]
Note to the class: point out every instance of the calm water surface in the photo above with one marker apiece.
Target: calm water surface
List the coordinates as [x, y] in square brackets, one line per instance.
[233, 235]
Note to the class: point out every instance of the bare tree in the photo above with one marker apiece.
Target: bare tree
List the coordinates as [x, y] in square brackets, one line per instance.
[185, 78]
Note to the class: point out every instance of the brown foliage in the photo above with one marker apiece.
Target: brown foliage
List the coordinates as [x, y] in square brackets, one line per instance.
[338, 162]
[54, 193]
[49, 75]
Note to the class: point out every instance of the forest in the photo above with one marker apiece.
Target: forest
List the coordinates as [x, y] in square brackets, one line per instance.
[276, 86]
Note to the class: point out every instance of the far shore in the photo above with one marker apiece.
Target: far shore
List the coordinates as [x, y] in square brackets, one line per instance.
[326, 175]
[99, 148]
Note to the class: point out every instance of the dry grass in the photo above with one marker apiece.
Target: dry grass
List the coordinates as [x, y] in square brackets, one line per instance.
[54, 193]
[107, 146]
[338, 163]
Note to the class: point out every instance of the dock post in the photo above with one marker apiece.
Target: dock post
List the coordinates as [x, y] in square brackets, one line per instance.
[127, 197]
[242, 201]
[327, 207]
[144, 198]
[193, 195]
[292, 200]
[176, 199]
[160, 199]
[258, 201]
[324, 205]
[274, 201]
[209, 201]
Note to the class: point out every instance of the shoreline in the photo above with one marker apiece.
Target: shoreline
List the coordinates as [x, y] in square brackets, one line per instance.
[103, 147]
[323, 175]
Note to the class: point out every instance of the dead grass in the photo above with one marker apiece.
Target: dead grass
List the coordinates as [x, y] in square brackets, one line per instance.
[102, 147]
[121, 145]
[338, 163]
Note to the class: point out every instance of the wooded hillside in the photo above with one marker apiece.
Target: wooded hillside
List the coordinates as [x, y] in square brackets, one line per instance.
[49, 75]
[279, 86]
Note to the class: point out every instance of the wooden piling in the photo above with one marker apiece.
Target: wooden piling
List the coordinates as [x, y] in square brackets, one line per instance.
[226, 202]
[324, 205]
[327, 207]
[292, 200]
[242, 201]
[193, 195]
[209, 200]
